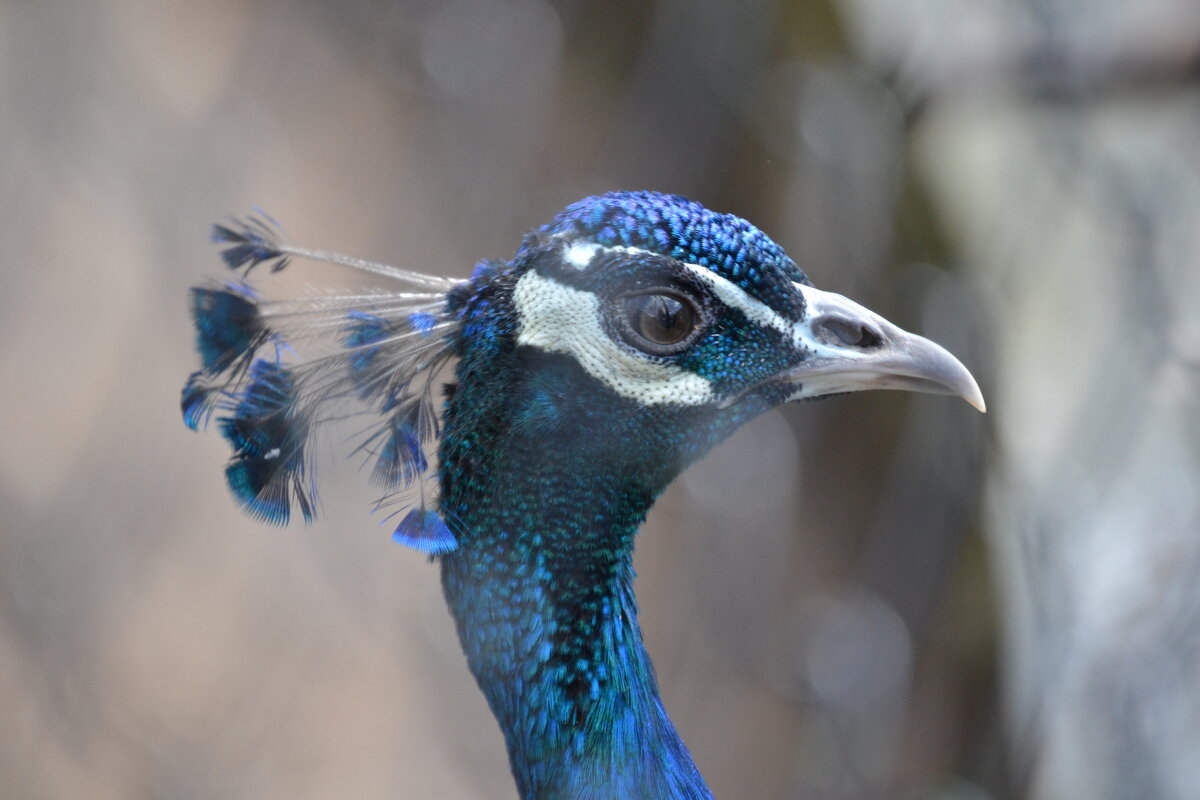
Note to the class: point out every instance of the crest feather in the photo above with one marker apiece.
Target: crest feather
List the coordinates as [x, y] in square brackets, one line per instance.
[274, 371]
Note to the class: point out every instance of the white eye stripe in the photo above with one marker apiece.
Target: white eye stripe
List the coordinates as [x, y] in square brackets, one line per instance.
[735, 296]
[580, 254]
[559, 319]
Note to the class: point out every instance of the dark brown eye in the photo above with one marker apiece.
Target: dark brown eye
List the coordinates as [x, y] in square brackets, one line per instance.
[660, 321]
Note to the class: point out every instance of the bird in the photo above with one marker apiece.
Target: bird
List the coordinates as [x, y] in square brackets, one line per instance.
[521, 422]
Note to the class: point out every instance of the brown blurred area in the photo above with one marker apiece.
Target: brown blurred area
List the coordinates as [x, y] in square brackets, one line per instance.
[816, 594]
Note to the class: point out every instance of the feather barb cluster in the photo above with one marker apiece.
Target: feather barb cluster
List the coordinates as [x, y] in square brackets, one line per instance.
[273, 372]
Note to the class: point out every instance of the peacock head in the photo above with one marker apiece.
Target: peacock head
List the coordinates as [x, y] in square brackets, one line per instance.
[627, 336]
[644, 328]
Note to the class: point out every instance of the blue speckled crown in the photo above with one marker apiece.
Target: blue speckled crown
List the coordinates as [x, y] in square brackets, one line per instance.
[683, 229]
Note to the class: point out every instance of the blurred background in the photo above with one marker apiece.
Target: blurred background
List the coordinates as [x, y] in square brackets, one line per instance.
[878, 596]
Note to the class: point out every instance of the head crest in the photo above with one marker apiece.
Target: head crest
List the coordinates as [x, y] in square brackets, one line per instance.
[274, 371]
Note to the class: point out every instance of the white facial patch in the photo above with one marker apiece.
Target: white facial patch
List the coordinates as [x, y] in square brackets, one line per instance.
[558, 319]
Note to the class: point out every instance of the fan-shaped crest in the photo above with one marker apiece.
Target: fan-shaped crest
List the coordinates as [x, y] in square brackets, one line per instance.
[275, 371]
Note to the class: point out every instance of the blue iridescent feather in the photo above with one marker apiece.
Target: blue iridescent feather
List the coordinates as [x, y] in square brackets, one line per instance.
[424, 530]
[362, 337]
[268, 434]
[399, 456]
[197, 401]
[248, 243]
[228, 327]
[269, 408]
[422, 322]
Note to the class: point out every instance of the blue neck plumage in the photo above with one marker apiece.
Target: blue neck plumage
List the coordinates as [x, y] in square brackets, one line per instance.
[549, 626]
[540, 584]
[546, 476]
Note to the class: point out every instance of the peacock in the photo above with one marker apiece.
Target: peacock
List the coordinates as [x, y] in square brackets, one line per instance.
[519, 425]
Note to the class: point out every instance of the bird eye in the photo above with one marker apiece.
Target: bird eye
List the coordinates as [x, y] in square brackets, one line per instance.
[660, 324]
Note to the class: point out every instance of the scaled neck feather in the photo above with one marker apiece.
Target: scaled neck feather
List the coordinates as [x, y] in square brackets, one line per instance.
[540, 586]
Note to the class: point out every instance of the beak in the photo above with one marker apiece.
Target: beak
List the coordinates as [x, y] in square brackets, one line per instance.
[851, 348]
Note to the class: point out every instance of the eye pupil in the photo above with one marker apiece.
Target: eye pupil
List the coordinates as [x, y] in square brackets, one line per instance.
[659, 318]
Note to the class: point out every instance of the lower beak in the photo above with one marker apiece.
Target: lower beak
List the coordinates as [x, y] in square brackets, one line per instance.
[851, 348]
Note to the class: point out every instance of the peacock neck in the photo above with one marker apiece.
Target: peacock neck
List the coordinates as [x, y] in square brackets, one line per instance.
[541, 588]
[542, 595]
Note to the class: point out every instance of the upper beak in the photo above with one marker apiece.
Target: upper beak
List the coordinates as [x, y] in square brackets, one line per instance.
[851, 348]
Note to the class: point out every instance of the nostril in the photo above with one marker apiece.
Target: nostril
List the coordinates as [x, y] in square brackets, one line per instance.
[852, 334]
